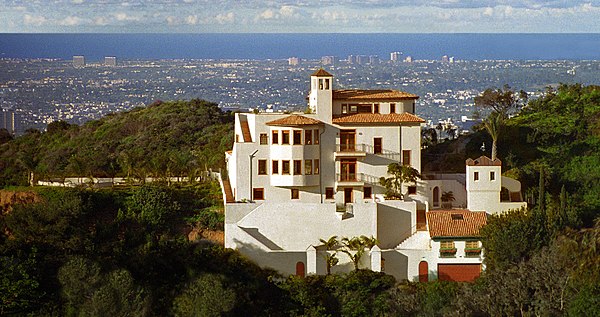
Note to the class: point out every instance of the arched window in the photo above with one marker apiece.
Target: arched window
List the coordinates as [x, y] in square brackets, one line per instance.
[436, 196]
[300, 269]
[423, 272]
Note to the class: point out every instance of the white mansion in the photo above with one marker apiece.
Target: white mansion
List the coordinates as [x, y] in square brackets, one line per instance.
[296, 178]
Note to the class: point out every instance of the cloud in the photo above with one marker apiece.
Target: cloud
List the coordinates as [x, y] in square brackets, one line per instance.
[225, 18]
[70, 21]
[101, 21]
[171, 20]
[191, 19]
[34, 20]
[122, 16]
[77, 1]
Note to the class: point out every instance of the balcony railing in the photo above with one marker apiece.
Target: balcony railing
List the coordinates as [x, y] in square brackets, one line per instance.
[358, 177]
[367, 148]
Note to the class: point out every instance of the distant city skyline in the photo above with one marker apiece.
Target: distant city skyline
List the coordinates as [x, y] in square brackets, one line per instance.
[300, 16]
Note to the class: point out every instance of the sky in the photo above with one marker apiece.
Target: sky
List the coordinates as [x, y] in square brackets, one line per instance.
[300, 16]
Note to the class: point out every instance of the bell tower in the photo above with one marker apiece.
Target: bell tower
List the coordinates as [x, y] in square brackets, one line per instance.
[320, 99]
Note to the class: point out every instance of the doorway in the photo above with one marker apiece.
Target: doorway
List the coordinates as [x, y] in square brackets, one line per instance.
[348, 195]
[377, 146]
[347, 140]
[436, 196]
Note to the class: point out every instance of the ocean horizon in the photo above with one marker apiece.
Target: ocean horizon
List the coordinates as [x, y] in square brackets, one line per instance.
[261, 46]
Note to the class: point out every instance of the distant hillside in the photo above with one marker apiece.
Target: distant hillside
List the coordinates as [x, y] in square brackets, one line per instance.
[162, 139]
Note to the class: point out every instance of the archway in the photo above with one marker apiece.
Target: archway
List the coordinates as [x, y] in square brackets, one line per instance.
[423, 272]
[300, 269]
[436, 196]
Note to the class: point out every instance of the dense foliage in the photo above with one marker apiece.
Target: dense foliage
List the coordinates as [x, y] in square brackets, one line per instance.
[165, 139]
[123, 251]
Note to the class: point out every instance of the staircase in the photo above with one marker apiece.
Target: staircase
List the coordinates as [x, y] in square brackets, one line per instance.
[418, 241]
[245, 131]
[228, 193]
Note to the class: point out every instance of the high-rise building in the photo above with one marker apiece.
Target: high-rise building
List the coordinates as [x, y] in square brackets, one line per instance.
[328, 60]
[408, 59]
[351, 59]
[362, 59]
[293, 61]
[445, 59]
[110, 61]
[395, 56]
[9, 120]
[79, 61]
[373, 59]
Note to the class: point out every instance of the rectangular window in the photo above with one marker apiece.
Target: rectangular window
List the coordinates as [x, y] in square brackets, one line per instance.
[264, 139]
[275, 137]
[344, 108]
[492, 176]
[320, 83]
[297, 137]
[316, 167]
[329, 193]
[353, 108]
[308, 167]
[275, 167]
[447, 245]
[295, 193]
[405, 157]
[297, 167]
[367, 193]
[258, 193]
[326, 83]
[237, 138]
[262, 167]
[412, 190]
[285, 167]
[476, 176]
[392, 108]
[376, 108]
[317, 136]
[308, 137]
[472, 245]
[285, 137]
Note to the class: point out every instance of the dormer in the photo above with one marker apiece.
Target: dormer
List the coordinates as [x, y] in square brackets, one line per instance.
[320, 99]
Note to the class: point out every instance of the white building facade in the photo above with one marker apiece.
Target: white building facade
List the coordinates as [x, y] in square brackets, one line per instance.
[296, 178]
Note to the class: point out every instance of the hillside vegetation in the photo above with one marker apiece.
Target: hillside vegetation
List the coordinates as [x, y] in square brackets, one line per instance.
[176, 138]
[121, 251]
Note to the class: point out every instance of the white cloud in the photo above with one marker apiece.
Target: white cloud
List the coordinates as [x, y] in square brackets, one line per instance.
[267, 15]
[122, 16]
[225, 18]
[171, 20]
[77, 1]
[70, 21]
[100, 21]
[191, 19]
[488, 11]
[34, 20]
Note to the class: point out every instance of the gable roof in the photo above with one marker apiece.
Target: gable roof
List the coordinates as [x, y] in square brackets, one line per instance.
[455, 223]
[294, 120]
[373, 95]
[404, 117]
[484, 161]
[321, 73]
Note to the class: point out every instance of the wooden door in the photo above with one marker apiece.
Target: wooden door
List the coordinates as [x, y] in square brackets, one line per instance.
[377, 146]
[347, 195]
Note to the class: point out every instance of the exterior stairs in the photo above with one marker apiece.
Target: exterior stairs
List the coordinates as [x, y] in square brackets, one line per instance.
[418, 241]
[228, 192]
[245, 131]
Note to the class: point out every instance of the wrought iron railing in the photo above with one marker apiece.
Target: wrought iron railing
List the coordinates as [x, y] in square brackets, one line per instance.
[367, 148]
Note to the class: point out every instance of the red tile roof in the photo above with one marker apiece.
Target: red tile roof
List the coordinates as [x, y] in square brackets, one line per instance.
[294, 120]
[373, 95]
[404, 117]
[484, 161]
[455, 223]
[321, 73]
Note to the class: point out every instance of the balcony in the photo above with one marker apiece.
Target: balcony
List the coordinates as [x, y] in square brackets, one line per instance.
[350, 151]
[356, 179]
[361, 151]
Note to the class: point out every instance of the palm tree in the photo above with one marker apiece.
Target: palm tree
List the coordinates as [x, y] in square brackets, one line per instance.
[447, 199]
[493, 124]
[400, 174]
[359, 245]
[330, 244]
[355, 244]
